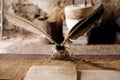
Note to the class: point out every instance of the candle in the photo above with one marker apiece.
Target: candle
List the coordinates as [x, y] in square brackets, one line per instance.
[75, 13]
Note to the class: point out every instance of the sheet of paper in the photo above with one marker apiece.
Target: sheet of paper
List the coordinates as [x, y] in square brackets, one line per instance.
[51, 73]
[100, 75]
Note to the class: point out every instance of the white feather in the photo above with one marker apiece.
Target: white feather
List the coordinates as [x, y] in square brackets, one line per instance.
[27, 25]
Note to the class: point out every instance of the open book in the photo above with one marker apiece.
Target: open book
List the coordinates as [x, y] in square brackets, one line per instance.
[51, 73]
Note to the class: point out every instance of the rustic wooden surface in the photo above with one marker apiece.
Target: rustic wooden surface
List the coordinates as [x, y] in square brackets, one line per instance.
[38, 48]
[42, 56]
[16, 69]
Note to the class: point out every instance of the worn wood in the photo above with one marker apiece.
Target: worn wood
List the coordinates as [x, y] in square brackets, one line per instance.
[43, 56]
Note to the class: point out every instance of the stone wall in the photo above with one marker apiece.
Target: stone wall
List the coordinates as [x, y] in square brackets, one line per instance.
[48, 5]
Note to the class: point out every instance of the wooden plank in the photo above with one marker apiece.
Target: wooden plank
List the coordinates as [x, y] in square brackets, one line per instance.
[75, 49]
[43, 56]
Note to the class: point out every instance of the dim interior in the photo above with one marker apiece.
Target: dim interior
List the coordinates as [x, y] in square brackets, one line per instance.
[52, 18]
